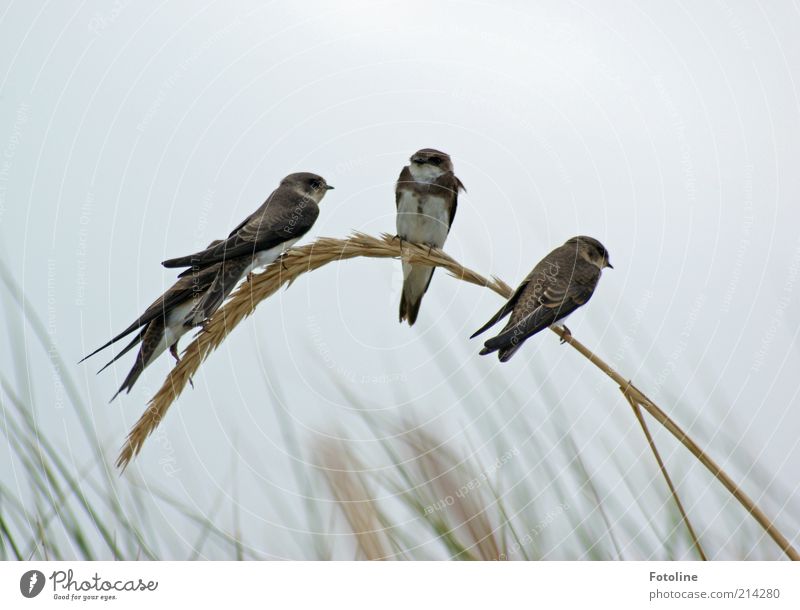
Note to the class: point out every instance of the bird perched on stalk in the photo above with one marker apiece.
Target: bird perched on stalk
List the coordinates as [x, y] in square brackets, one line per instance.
[287, 214]
[162, 324]
[561, 282]
[426, 196]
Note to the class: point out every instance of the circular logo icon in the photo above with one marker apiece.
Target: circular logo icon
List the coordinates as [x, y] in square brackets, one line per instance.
[31, 583]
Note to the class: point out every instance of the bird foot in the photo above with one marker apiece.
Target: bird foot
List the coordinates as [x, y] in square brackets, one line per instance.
[173, 349]
[282, 260]
[566, 336]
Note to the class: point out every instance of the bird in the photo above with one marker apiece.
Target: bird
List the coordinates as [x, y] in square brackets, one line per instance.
[161, 325]
[561, 282]
[287, 214]
[426, 195]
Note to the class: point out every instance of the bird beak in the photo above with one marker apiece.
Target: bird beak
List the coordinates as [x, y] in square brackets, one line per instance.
[609, 265]
[417, 160]
[328, 187]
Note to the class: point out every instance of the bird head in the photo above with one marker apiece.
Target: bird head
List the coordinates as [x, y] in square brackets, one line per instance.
[591, 251]
[428, 164]
[307, 184]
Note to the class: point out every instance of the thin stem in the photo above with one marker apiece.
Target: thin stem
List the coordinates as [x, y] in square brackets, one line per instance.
[719, 474]
[662, 418]
[685, 517]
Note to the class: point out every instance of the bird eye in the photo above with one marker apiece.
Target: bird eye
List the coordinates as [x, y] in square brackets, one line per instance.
[435, 161]
[315, 184]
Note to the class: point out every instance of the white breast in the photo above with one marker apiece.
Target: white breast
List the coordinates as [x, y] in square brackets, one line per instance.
[174, 329]
[265, 257]
[175, 318]
[423, 219]
[425, 173]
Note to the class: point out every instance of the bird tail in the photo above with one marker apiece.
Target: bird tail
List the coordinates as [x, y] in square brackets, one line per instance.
[514, 335]
[415, 285]
[128, 348]
[152, 345]
[123, 334]
[503, 353]
[409, 310]
[133, 375]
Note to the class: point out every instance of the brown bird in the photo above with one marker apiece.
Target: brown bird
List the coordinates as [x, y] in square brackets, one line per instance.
[426, 195]
[287, 214]
[561, 282]
[162, 324]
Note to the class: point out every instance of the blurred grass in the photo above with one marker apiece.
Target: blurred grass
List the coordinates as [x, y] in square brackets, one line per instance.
[513, 485]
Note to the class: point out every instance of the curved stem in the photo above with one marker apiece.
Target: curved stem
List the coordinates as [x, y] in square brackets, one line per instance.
[297, 262]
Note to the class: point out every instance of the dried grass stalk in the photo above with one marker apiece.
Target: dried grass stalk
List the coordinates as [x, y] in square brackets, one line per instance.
[248, 295]
[343, 471]
[468, 519]
[296, 262]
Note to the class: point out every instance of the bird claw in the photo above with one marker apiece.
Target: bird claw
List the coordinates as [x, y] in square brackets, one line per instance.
[566, 336]
[173, 349]
[282, 260]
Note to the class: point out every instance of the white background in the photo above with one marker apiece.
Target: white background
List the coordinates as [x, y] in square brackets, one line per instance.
[441, 584]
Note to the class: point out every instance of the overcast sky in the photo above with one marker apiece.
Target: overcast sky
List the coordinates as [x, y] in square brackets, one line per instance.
[133, 132]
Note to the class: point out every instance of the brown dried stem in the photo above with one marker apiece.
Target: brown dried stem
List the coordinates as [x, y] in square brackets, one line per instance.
[326, 250]
[662, 467]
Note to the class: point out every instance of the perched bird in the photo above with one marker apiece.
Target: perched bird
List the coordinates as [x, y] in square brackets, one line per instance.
[287, 214]
[426, 195]
[560, 283]
[162, 324]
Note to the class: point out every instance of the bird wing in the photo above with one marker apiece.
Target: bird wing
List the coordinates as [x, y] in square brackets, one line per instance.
[229, 274]
[546, 302]
[185, 288]
[450, 186]
[285, 215]
[504, 310]
[405, 177]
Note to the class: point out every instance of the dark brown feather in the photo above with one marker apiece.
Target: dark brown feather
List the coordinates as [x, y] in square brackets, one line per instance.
[283, 216]
[559, 284]
[153, 335]
[225, 281]
[182, 290]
